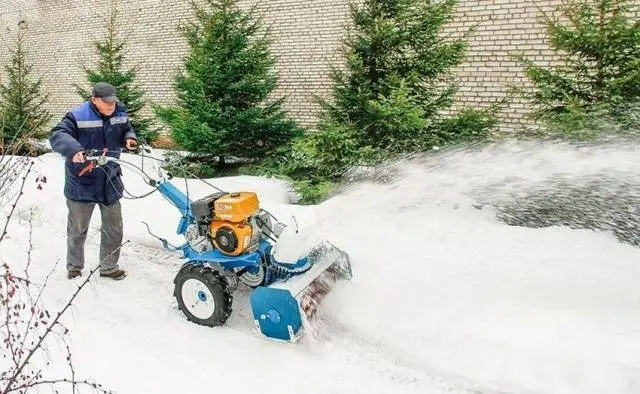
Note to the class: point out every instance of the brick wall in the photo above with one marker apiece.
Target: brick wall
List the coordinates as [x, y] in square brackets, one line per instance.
[306, 37]
[502, 29]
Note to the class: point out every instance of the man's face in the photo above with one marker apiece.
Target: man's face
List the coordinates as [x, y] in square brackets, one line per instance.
[105, 107]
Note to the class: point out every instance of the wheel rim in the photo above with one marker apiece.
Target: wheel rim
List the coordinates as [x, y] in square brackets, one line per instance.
[198, 299]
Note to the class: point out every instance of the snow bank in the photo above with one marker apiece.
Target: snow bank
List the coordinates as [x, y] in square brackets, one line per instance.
[445, 288]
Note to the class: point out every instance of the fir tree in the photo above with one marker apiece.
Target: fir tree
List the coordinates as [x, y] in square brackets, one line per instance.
[598, 45]
[397, 82]
[110, 69]
[23, 112]
[222, 96]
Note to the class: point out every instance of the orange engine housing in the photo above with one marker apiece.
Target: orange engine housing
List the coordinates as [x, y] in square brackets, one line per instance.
[231, 232]
[236, 207]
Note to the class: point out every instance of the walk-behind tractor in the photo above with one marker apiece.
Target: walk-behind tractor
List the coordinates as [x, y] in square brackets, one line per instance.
[229, 239]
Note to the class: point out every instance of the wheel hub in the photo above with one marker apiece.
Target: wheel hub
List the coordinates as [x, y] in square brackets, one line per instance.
[198, 299]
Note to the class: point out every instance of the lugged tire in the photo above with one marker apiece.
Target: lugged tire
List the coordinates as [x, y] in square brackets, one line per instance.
[214, 283]
[252, 281]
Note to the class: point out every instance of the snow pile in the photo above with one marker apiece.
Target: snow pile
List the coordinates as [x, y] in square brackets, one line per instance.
[448, 289]
[445, 297]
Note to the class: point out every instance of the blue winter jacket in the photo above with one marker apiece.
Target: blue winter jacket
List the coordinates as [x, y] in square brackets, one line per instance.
[85, 128]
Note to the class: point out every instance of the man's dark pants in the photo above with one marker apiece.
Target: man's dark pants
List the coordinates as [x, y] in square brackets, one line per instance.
[111, 234]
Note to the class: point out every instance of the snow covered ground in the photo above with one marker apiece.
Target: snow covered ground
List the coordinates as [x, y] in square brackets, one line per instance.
[444, 297]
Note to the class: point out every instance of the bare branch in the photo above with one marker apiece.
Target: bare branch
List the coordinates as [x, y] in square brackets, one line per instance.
[28, 281]
[9, 293]
[74, 383]
[15, 203]
[30, 249]
[10, 170]
[12, 380]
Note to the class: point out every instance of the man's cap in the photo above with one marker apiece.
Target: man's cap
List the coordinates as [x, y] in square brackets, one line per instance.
[105, 91]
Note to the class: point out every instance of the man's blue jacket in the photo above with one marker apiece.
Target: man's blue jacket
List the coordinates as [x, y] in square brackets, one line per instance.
[84, 128]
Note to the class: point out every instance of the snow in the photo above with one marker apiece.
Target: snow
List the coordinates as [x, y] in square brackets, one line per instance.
[444, 298]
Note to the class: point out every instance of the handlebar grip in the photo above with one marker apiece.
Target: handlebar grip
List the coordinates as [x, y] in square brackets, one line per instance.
[93, 152]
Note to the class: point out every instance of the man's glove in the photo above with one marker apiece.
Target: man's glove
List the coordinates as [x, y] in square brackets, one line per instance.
[131, 145]
[79, 157]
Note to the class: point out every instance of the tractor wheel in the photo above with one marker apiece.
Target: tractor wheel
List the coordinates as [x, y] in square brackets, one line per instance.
[202, 295]
[256, 279]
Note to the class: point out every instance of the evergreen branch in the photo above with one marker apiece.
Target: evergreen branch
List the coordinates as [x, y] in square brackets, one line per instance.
[21, 102]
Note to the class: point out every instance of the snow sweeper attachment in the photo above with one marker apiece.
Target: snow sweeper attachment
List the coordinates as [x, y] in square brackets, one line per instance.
[281, 308]
[230, 239]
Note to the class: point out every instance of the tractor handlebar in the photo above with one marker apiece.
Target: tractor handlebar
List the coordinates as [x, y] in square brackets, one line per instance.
[100, 155]
[95, 158]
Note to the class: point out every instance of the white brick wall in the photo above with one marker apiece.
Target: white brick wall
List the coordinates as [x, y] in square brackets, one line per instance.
[502, 29]
[306, 37]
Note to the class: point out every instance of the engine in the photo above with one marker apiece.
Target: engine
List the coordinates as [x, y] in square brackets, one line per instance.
[233, 223]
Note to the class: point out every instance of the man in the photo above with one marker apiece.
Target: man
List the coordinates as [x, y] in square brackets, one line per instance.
[100, 123]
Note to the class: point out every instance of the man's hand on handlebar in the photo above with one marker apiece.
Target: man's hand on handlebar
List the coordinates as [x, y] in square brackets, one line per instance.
[131, 144]
[80, 157]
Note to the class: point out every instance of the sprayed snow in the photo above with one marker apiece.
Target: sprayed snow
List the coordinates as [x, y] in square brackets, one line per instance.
[445, 298]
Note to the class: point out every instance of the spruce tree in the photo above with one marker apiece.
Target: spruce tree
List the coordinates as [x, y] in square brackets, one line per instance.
[223, 106]
[23, 111]
[598, 78]
[110, 68]
[397, 83]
